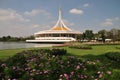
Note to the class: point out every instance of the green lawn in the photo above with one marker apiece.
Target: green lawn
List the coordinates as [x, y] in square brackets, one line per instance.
[8, 53]
[96, 50]
[97, 53]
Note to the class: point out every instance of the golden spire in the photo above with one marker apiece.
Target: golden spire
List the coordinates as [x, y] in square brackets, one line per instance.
[60, 24]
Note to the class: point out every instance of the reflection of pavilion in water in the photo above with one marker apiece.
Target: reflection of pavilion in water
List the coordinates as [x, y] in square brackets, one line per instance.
[43, 45]
[59, 33]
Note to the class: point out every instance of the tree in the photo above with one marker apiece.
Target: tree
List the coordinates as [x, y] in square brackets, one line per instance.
[89, 34]
[79, 37]
[102, 34]
[115, 34]
[4, 38]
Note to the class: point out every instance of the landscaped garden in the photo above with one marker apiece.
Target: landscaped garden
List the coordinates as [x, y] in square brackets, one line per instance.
[84, 62]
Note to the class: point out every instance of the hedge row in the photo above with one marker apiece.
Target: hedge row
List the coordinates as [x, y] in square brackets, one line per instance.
[80, 46]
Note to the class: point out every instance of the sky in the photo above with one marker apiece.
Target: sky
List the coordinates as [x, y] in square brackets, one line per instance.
[25, 17]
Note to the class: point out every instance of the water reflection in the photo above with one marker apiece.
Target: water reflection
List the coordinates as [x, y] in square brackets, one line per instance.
[14, 45]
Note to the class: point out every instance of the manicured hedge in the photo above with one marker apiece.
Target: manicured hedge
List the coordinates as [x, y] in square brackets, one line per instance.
[80, 46]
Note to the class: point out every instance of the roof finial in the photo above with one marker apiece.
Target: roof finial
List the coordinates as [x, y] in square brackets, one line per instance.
[60, 13]
[60, 24]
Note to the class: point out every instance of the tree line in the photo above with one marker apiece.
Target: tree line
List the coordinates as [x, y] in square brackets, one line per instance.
[88, 35]
[10, 38]
[102, 35]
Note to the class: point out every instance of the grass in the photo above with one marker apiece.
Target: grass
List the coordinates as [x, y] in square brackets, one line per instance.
[37, 64]
[96, 50]
[96, 53]
[10, 52]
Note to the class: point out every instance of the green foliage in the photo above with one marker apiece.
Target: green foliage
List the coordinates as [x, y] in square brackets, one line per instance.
[57, 51]
[80, 46]
[106, 62]
[88, 34]
[102, 35]
[10, 38]
[40, 64]
[113, 56]
[117, 47]
[115, 75]
[96, 50]
[37, 61]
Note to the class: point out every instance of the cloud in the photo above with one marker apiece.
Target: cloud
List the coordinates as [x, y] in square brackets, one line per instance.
[107, 22]
[36, 25]
[32, 13]
[35, 12]
[16, 23]
[76, 11]
[110, 21]
[13, 23]
[116, 18]
[40, 27]
[11, 15]
[67, 23]
[86, 5]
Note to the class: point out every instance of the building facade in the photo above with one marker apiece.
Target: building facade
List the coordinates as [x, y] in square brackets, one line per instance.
[59, 33]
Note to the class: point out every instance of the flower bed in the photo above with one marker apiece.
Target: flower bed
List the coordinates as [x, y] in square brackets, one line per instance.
[41, 65]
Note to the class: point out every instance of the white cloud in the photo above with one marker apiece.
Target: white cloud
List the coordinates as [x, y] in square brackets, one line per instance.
[14, 23]
[107, 23]
[67, 23]
[40, 27]
[86, 5]
[32, 13]
[36, 26]
[35, 12]
[11, 15]
[116, 18]
[110, 21]
[76, 11]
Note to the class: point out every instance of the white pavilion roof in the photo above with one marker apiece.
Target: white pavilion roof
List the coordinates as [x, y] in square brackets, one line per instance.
[59, 27]
[57, 31]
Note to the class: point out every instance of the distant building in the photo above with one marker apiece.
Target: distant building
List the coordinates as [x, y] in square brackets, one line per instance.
[59, 33]
[108, 40]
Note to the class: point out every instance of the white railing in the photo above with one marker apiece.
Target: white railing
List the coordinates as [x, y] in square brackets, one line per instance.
[52, 39]
[55, 38]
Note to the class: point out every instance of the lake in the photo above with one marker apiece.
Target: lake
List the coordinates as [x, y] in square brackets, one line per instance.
[14, 45]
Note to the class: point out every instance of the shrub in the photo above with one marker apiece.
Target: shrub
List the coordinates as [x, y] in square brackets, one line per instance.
[113, 56]
[40, 65]
[80, 46]
[57, 51]
[115, 75]
[117, 47]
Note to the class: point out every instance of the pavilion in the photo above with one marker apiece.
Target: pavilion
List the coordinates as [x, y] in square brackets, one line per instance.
[59, 33]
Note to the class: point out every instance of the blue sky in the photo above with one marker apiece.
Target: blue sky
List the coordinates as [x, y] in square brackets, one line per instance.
[25, 17]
